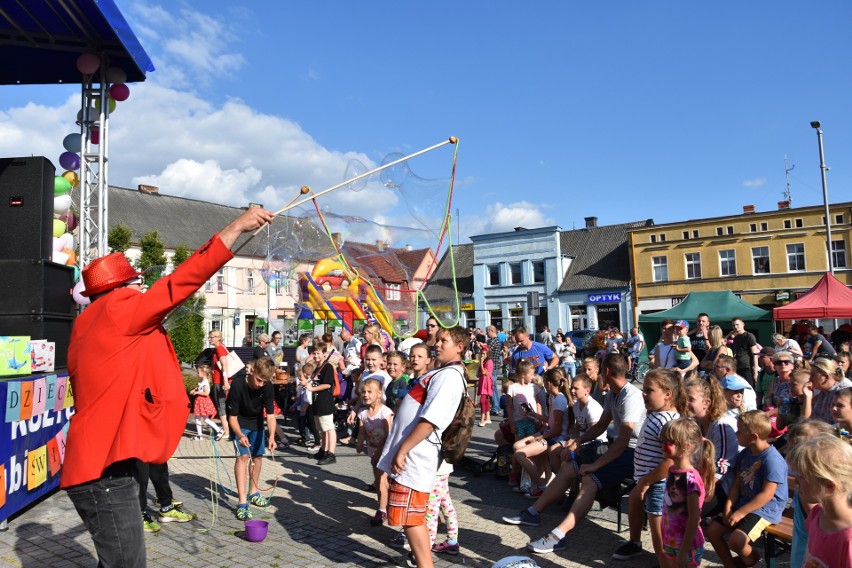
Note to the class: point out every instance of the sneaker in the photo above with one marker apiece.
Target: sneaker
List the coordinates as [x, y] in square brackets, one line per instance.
[399, 541]
[196, 438]
[319, 455]
[543, 545]
[627, 551]
[534, 494]
[173, 515]
[176, 503]
[561, 545]
[149, 524]
[258, 501]
[524, 518]
[379, 519]
[406, 561]
[243, 513]
[219, 435]
[513, 481]
[327, 459]
[446, 548]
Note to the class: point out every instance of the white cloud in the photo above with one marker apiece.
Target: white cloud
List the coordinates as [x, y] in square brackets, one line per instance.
[756, 182]
[499, 218]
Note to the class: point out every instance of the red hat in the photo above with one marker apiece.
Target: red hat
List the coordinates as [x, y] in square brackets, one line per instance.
[107, 272]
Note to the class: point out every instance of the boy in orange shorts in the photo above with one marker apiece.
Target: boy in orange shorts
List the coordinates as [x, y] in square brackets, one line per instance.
[411, 454]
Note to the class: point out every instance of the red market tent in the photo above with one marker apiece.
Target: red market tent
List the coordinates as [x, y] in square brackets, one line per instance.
[829, 298]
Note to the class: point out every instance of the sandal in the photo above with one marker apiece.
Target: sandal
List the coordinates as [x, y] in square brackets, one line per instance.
[258, 501]
[243, 512]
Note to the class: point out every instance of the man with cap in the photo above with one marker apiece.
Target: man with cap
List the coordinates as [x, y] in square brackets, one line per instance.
[130, 400]
[765, 376]
[726, 367]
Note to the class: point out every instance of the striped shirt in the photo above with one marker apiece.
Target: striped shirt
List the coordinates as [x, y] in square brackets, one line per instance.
[649, 449]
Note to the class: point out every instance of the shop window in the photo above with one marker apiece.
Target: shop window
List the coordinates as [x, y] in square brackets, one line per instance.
[760, 260]
[728, 262]
[796, 257]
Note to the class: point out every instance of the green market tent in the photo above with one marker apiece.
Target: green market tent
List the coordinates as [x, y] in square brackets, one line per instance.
[720, 306]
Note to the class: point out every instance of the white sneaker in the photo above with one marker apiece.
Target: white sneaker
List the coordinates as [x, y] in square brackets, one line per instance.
[196, 438]
[543, 545]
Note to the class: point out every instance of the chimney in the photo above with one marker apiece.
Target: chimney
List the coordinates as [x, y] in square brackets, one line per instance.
[338, 239]
[409, 248]
[149, 189]
[591, 222]
[783, 205]
[381, 245]
[748, 208]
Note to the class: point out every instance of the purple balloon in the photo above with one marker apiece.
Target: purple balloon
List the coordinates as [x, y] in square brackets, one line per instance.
[70, 220]
[69, 161]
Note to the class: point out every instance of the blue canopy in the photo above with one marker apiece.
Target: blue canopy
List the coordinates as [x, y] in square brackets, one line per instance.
[40, 40]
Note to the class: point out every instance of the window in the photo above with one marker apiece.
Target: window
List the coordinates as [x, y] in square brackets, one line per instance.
[494, 275]
[728, 262]
[686, 235]
[760, 260]
[220, 280]
[662, 238]
[753, 227]
[515, 273]
[216, 325]
[392, 291]
[838, 218]
[799, 223]
[838, 254]
[276, 282]
[788, 224]
[720, 231]
[796, 257]
[730, 230]
[695, 234]
[249, 281]
[653, 238]
[538, 271]
[661, 268]
[693, 265]
[208, 286]
[764, 227]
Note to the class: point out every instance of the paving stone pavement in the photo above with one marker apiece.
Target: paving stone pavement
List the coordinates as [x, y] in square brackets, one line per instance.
[319, 516]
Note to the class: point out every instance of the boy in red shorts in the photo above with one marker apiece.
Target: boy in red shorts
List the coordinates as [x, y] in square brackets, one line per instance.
[411, 454]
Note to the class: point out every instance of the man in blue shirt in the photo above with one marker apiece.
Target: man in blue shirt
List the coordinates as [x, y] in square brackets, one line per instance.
[536, 353]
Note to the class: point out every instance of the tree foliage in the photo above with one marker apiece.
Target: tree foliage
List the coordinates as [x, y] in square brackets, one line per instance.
[182, 252]
[119, 238]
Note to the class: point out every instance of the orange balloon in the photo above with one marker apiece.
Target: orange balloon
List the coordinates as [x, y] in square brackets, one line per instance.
[72, 257]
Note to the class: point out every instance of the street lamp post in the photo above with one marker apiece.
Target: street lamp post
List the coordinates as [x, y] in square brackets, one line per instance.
[823, 168]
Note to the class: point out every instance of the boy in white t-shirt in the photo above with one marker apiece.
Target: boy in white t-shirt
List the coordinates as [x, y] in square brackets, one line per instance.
[411, 454]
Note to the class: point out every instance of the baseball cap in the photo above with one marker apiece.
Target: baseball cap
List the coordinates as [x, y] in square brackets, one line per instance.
[734, 383]
[682, 323]
[768, 351]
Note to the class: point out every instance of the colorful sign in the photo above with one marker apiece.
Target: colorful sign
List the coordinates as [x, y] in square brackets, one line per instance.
[607, 298]
[35, 417]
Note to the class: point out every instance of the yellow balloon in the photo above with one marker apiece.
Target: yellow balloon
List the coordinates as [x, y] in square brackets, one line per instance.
[72, 178]
[111, 104]
[58, 228]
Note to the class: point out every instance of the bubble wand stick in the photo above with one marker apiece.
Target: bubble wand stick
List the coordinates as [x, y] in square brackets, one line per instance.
[291, 205]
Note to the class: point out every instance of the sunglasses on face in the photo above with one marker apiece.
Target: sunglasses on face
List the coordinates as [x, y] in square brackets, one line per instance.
[784, 362]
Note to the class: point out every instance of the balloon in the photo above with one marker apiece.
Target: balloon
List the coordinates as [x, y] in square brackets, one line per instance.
[69, 161]
[59, 243]
[92, 114]
[72, 257]
[59, 228]
[88, 63]
[70, 220]
[69, 241]
[95, 136]
[119, 92]
[116, 75]
[111, 104]
[62, 203]
[75, 293]
[72, 178]
[59, 257]
[72, 142]
[61, 186]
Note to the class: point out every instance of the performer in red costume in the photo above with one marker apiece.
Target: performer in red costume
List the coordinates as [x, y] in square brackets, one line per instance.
[130, 399]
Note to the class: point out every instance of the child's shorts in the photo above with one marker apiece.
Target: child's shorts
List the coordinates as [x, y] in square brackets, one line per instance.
[695, 555]
[752, 525]
[324, 423]
[406, 506]
[654, 498]
[683, 363]
[257, 443]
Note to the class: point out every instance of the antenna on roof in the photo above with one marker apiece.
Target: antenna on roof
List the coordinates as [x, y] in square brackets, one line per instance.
[788, 195]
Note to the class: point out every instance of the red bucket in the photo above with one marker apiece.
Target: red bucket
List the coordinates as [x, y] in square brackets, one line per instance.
[256, 530]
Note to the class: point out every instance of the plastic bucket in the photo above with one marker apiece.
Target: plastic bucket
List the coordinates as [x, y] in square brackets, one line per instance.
[256, 530]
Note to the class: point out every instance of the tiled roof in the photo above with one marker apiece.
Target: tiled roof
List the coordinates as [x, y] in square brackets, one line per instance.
[412, 259]
[383, 263]
[601, 256]
[440, 286]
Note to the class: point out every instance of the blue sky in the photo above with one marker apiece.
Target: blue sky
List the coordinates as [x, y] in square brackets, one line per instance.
[623, 110]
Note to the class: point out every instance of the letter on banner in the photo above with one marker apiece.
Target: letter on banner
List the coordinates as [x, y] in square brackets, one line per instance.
[60, 442]
[50, 400]
[37, 462]
[53, 457]
[39, 396]
[26, 400]
[13, 402]
[60, 392]
[69, 395]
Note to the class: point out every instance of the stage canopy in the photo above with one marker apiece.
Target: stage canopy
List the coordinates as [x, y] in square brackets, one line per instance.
[40, 40]
[829, 298]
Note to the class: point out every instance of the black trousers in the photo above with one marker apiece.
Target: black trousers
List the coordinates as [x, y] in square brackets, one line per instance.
[158, 473]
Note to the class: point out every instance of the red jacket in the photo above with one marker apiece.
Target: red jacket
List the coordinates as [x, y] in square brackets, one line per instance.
[129, 396]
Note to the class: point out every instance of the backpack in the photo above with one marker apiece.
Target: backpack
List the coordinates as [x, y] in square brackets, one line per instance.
[457, 434]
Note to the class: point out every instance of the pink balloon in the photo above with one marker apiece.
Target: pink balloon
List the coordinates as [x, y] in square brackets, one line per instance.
[88, 63]
[119, 92]
[59, 244]
[95, 136]
[75, 293]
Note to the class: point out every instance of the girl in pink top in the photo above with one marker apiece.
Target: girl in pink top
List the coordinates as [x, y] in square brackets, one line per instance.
[485, 384]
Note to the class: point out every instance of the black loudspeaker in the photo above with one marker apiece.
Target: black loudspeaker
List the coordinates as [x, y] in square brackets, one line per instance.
[26, 207]
[35, 287]
[56, 328]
